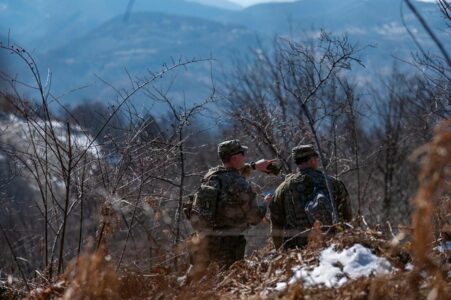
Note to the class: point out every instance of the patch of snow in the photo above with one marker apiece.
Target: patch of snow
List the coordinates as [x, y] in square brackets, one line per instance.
[336, 268]
[181, 280]
[279, 272]
[251, 264]
[409, 267]
[281, 286]
[16, 127]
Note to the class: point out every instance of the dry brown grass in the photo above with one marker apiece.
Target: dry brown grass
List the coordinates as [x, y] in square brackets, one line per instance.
[109, 222]
[253, 278]
[433, 177]
[315, 237]
[93, 277]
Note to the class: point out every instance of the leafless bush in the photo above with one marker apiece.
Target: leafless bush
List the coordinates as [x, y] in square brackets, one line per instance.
[89, 183]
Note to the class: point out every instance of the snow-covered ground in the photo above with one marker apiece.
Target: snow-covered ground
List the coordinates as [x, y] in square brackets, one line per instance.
[338, 267]
[16, 130]
[34, 141]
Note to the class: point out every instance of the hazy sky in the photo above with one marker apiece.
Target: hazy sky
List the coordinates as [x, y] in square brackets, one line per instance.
[250, 2]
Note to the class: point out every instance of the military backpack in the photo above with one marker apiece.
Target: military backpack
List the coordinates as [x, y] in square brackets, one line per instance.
[222, 200]
[202, 206]
[311, 192]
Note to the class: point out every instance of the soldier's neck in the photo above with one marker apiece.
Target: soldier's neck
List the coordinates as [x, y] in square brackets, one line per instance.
[229, 166]
[304, 167]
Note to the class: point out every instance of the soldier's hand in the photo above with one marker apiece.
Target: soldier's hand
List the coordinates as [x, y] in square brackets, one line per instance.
[246, 170]
[262, 165]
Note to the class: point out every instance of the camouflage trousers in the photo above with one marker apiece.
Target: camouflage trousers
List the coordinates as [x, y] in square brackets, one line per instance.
[222, 250]
[225, 250]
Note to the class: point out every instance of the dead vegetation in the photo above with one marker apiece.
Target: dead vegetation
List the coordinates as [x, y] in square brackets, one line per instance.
[126, 238]
[93, 276]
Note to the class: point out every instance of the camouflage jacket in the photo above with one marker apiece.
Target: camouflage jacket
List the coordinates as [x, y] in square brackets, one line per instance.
[287, 208]
[236, 206]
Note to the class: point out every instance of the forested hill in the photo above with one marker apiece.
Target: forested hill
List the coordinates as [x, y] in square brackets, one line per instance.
[340, 16]
[47, 24]
[145, 42]
[79, 41]
[97, 189]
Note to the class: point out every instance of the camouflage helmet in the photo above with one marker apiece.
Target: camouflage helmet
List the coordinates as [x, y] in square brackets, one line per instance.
[229, 148]
[303, 151]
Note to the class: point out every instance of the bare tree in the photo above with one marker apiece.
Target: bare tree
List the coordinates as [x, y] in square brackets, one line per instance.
[282, 100]
[305, 71]
[58, 155]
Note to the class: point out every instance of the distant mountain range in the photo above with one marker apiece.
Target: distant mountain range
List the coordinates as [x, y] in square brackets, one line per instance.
[145, 42]
[78, 39]
[219, 3]
[46, 24]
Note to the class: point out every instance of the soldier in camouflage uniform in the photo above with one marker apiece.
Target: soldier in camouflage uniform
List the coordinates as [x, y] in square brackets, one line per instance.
[289, 208]
[219, 235]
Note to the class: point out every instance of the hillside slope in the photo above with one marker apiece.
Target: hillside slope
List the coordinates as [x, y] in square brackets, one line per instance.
[47, 24]
[146, 42]
[77, 41]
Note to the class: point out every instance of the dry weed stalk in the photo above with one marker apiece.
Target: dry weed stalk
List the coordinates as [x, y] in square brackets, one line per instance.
[315, 237]
[434, 172]
[109, 222]
[91, 277]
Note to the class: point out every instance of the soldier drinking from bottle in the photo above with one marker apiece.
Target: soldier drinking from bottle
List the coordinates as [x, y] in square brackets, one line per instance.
[224, 206]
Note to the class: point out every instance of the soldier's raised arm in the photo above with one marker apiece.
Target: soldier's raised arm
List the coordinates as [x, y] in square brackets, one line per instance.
[261, 165]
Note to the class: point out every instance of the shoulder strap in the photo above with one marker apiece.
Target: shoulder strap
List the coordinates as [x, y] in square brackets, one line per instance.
[214, 171]
[293, 177]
